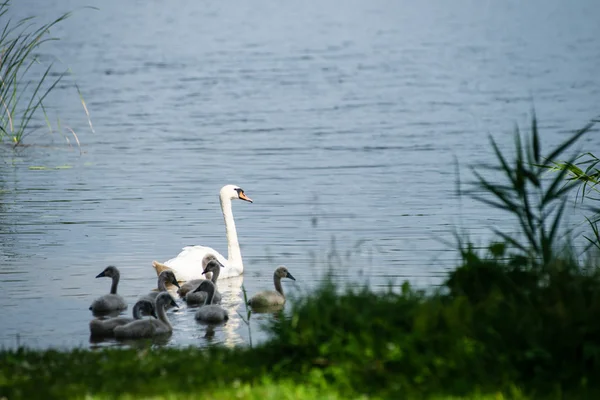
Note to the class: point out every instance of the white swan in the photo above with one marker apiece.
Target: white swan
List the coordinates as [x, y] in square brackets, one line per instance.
[270, 298]
[105, 327]
[188, 264]
[112, 301]
[143, 328]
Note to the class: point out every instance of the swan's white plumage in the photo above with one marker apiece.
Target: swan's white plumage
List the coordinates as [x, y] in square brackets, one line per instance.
[188, 263]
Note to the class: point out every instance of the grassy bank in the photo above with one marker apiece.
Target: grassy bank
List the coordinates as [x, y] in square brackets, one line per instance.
[509, 334]
[519, 319]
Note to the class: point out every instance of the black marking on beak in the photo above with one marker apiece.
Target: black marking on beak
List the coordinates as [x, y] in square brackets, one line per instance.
[242, 195]
[290, 276]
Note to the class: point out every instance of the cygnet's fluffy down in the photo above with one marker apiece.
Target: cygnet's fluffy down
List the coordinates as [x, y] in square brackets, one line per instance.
[112, 301]
[270, 298]
[197, 297]
[193, 284]
[210, 313]
[145, 328]
[163, 278]
[105, 327]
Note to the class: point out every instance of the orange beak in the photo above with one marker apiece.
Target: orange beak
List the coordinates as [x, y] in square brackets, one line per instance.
[242, 196]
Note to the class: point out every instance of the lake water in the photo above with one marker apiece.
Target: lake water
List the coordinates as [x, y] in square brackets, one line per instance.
[341, 120]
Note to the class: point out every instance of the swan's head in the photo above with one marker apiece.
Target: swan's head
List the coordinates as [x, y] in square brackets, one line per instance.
[206, 286]
[232, 192]
[212, 266]
[146, 307]
[110, 272]
[282, 272]
[208, 258]
[168, 277]
[164, 299]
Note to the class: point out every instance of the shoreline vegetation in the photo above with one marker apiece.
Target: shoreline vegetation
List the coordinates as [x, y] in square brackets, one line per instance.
[26, 80]
[519, 319]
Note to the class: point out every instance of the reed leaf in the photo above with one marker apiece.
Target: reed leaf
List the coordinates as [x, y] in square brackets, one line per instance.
[537, 208]
[22, 89]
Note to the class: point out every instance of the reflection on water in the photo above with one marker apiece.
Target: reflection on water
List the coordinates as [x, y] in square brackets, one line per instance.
[339, 122]
[272, 309]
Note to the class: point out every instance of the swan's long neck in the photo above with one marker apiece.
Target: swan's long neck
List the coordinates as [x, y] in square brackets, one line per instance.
[115, 283]
[215, 275]
[210, 293]
[162, 287]
[277, 281]
[137, 310]
[162, 314]
[234, 255]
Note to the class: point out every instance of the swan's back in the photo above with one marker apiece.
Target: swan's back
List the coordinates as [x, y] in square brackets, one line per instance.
[189, 286]
[105, 327]
[152, 296]
[197, 298]
[149, 327]
[212, 313]
[141, 328]
[267, 298]
[187, 264]
[108, 302]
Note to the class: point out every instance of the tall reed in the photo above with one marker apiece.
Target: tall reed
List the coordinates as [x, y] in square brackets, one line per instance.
[537, 202]
[585, 171]
[23, 89]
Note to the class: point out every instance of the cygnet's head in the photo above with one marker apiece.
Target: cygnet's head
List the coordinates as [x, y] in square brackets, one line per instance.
[208, 258]
[282, 272]
[232, 192]
[169, 277]
[164, 299]
[110, 272]
[146, 307]
[212, 266]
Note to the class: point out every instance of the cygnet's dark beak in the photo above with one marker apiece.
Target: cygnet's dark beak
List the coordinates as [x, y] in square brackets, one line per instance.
[101, 275]
[173, 303]
[290, 276]
[174, 282]
[153, 313]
